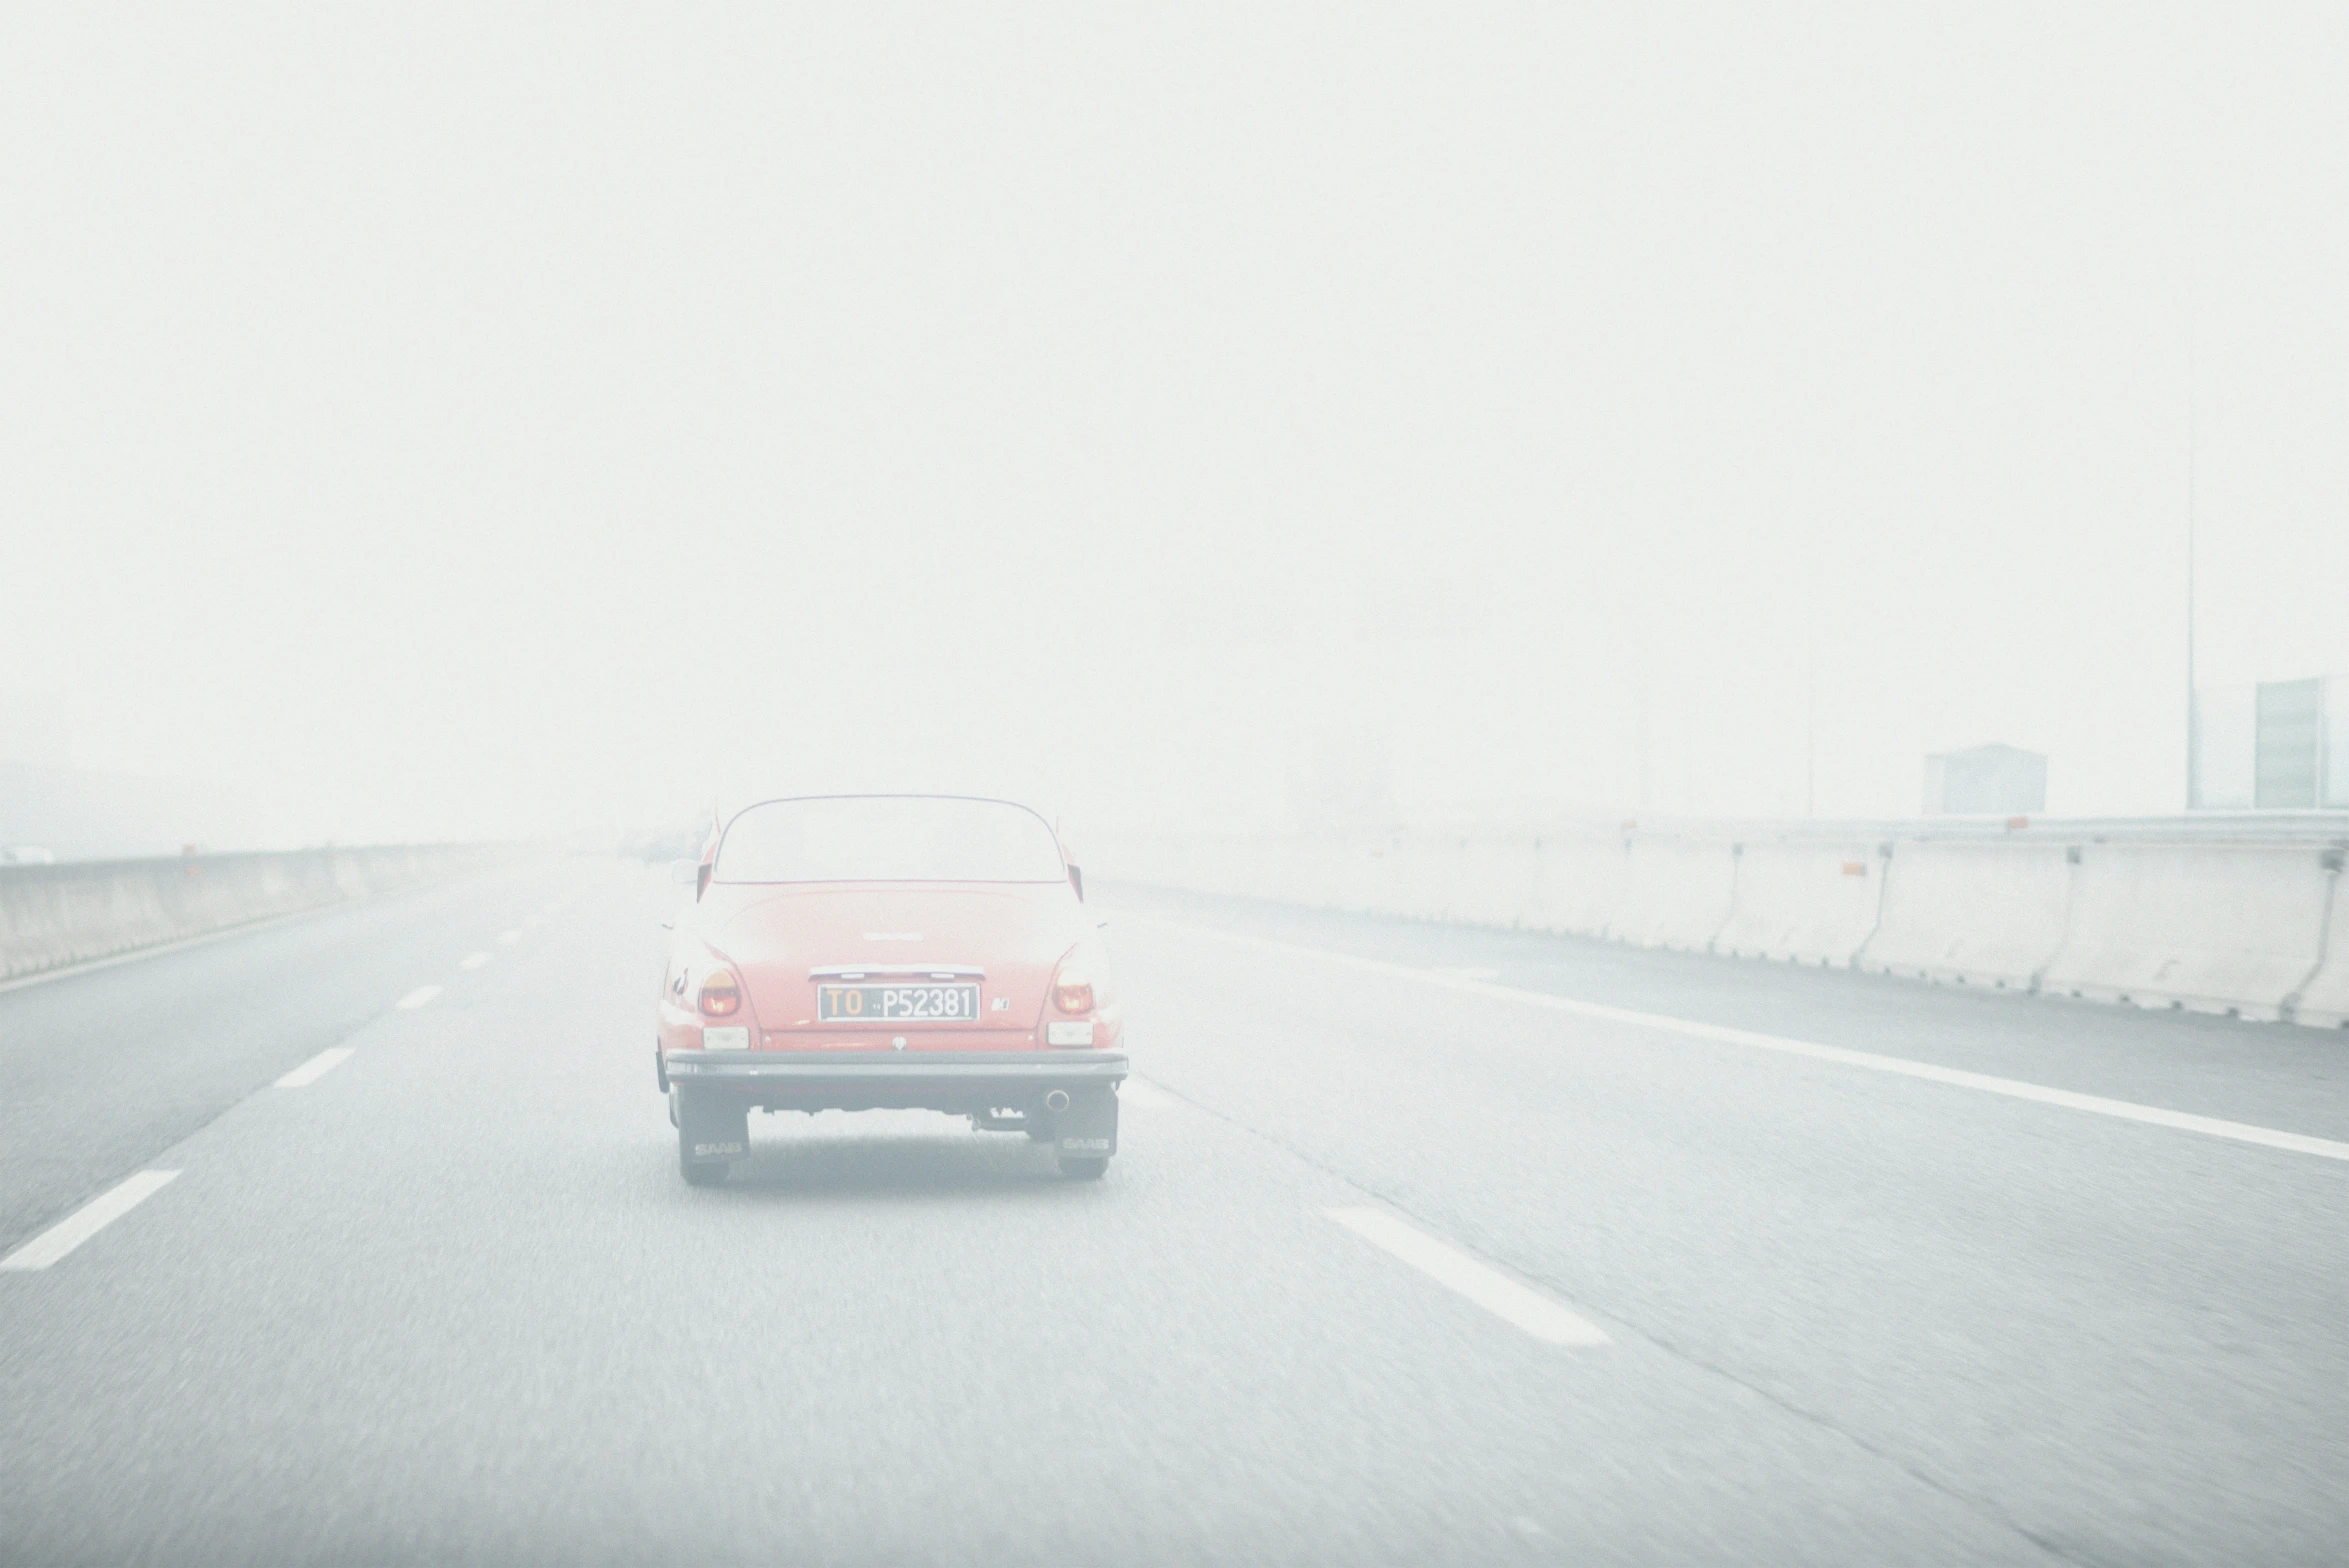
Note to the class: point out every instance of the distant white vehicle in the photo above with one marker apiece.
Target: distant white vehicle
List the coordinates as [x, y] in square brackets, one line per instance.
[27, 855]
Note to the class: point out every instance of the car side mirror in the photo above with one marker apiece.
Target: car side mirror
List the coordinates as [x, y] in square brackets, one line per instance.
[1076, 879]
[683, 872]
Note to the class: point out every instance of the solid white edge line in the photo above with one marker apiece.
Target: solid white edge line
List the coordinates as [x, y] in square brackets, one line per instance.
[2012, 1088]
[417, 998]
[86, 1221]
[1518, 1305]
[474, 960]
[317, 1067]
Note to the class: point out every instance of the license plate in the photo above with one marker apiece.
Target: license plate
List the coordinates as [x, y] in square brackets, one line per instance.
[897, 1004]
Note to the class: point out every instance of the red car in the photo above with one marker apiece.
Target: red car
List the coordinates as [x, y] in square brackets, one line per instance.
[868, 952]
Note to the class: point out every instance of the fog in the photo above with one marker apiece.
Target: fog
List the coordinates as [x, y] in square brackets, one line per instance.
[462, 423]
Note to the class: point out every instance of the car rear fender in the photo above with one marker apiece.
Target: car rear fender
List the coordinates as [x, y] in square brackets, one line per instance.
[691, 962]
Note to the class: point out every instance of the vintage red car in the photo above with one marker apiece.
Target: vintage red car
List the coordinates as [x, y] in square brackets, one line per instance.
[865, 952]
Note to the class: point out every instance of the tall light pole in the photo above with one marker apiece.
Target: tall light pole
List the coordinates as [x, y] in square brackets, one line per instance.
[1646, 737]
[1811, 683]
[2193, 713]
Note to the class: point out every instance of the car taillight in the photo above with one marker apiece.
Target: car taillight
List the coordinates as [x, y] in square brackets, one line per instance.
[721, 996]
[1072, 988]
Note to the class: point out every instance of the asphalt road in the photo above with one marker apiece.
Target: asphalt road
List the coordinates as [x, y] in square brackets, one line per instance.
[1399, 1262]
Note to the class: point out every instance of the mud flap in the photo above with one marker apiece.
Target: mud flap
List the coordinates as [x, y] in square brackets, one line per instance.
[712, 1127]
[1087, 1130]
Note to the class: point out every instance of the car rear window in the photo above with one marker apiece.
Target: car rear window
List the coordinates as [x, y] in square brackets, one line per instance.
[888, 838]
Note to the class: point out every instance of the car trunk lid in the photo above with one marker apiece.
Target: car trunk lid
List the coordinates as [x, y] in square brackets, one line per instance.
[912, 946]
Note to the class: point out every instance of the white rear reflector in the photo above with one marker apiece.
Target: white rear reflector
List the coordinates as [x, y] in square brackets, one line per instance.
[1069, 1034]
[734, 1039]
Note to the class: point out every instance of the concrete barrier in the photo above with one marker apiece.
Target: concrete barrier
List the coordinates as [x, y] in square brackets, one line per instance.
[1343, 871]
[1384, 875]
[1495, 885]
[1971, 911]
[1676, 892]
[1284, 868]
[2220, 913]
[1357, 876]
[1578, 883]
[2324, 1001]
[1426, 869]
[1360, 878]
[1210, 865]
[2213, 927]
[55, 916]
[1805, 902]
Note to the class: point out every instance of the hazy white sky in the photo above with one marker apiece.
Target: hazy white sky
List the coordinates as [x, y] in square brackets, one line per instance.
[437, 420]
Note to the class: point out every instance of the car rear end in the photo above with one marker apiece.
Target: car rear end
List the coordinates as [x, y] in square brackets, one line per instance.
[986, 999]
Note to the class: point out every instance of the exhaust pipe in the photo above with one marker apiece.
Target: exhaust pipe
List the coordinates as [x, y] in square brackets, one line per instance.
[1056, 1100]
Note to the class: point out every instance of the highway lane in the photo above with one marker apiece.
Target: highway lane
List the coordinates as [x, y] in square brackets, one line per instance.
[104, 1067]
[2127, 1340]
[449, 1301]
[2271, 1074]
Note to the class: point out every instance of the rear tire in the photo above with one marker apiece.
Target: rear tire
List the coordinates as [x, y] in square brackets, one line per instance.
[1090, 1167]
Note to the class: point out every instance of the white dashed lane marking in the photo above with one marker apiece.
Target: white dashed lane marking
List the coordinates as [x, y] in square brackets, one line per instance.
[474, 960]
[86, 1221]
[417, 998]
[316, 1067]
[1518, 1305]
